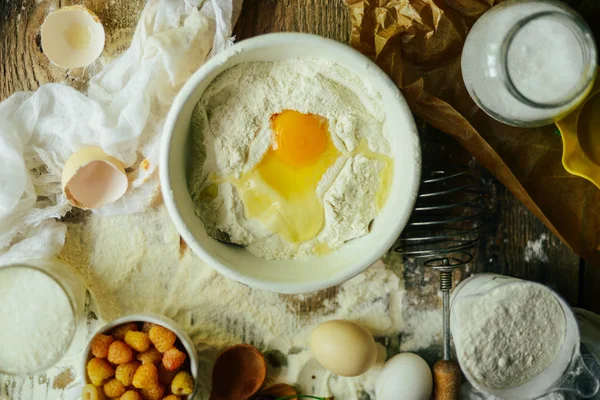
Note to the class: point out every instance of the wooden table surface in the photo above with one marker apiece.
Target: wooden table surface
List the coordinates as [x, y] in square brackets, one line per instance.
[511, 234]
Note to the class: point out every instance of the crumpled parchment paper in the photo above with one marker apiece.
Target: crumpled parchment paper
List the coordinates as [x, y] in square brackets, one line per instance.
[419, 43]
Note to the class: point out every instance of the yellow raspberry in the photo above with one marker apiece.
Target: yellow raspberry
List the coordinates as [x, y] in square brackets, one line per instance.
[171, 397]
[125, 372]
[131, 395]
[145, 377]
[100, 344]
[91, 392]
[154, 393]
[120, 331]
[173, 358]
[152, 356]
[113, 388]
[162, 338]
[99, 370]
[138, 341]
[119, 353]
[183, 384]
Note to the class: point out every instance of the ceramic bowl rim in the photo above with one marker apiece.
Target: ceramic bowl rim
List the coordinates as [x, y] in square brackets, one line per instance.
[216, 63]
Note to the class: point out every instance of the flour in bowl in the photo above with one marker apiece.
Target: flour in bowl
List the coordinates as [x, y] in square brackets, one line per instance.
[508, 336]
[288, 158]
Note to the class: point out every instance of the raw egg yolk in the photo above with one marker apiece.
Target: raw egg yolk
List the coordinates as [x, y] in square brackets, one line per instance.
[281, 190]
[300, 139]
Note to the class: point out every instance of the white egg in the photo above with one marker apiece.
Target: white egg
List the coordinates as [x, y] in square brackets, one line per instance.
[405, 376]
[343, 347]
[72, 37]
[91, 178]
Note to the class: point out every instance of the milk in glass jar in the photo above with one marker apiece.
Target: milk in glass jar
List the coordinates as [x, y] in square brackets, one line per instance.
[529, 62]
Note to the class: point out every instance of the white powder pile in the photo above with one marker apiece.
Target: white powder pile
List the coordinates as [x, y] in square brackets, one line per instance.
[545, 60]
[231, 131]
[509, 335]
[36, 318]
[534, 250]
[135, 263]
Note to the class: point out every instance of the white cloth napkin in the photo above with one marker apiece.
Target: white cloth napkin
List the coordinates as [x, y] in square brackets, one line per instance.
[123, 112]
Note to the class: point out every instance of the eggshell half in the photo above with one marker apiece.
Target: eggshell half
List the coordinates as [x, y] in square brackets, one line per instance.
[72, 37]
[405, 376]
[343, 347]
[92, 179]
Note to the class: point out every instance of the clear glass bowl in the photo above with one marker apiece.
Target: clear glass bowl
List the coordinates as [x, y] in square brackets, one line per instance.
[74, 290]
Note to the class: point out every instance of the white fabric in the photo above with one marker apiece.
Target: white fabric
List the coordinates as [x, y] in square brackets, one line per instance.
[124, 112]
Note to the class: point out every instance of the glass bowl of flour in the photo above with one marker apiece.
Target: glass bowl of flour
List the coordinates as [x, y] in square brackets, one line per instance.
[517, 339]
[311, 76]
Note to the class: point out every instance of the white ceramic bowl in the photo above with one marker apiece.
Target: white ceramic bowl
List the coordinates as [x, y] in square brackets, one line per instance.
[315, 273]
[157, 319]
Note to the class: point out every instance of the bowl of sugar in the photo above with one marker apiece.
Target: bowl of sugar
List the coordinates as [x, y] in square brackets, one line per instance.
[290, 163]
[41, 305]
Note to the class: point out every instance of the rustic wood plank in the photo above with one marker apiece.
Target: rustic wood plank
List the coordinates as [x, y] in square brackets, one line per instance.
[328, 18]
[23, 65]
[513, 242]
[517, 244]
[590, 287]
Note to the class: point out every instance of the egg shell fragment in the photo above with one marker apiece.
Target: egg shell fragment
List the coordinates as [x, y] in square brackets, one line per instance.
[405, 376]
[343, 347]
[72, 37]
[92, 179]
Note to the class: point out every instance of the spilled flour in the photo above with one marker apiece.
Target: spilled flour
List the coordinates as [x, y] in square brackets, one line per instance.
[534, 250]
[136, 263]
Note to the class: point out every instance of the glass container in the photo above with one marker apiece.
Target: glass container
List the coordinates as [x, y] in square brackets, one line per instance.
[67, 281]
[567, 374]
[529, 63]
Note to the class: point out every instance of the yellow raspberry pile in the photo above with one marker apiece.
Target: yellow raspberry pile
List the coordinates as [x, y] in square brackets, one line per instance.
[129, 363]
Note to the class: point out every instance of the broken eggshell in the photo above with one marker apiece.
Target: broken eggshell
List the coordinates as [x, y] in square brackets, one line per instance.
[92, 179]
[72, 37]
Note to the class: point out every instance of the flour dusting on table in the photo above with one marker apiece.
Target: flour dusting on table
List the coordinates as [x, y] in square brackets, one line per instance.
[534, 250]
[135, 263]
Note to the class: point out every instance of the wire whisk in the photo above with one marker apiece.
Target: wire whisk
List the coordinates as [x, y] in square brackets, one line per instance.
[444, 231]
[446, 221]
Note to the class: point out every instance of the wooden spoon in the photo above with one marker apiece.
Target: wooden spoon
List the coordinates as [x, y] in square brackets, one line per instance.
[238, 373]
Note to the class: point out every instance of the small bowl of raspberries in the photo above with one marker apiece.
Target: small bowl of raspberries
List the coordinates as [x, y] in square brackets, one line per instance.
[140, 357]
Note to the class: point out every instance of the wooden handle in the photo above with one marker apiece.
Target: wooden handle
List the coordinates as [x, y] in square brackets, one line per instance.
[446, 380]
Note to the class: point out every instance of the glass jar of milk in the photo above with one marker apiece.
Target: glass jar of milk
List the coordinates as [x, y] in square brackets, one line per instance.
[529, 62]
